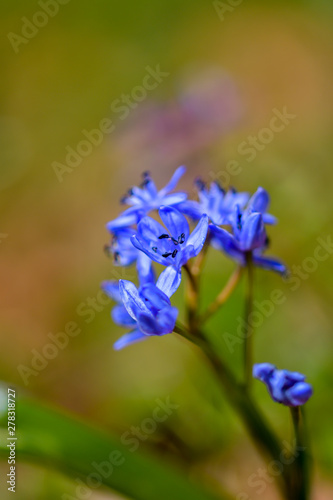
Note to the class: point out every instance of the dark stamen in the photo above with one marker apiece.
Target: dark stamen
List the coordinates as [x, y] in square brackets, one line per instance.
[239, 221]
[154, 249]
[174, 253]
[167, 254]
[220, 187]
[116, 256]
[200, 184]
[175, 241]
[163, 236]
[181, 238]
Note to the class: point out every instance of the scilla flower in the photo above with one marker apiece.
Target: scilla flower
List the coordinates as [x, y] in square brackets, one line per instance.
[145, 198]
[260, 202]
[248, 237]
[287, 388]
[147, 310]
[214, 201]
[173, 246]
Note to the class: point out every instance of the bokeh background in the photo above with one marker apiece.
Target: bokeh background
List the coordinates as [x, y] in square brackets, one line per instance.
[225, 78]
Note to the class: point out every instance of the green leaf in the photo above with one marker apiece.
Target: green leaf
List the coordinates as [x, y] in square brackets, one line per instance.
[59, 441]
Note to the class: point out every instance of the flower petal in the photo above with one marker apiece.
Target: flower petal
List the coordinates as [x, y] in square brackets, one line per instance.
[198, 236]
[224, 241]
[121, 317]
[175, 222]
[167, 319]
[173, 181]
[260, 201]
[149, 229]
[174, 199]
[299, 394]
[270, 264]
[128, 218]
[253, 233]
[169, 280]
[191, 208]
[111, 289]
[131, 299]
[145, 247]
[148, 324]
[145, 269]
[155, 296]
[129, 338]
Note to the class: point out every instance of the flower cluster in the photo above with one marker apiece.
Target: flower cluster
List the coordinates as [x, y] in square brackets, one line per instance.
[232, 222]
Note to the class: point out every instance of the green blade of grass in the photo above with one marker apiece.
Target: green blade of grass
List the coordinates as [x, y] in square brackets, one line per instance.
[64, 443]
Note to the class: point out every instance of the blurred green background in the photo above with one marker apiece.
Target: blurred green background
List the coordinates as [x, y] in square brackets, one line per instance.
[261, 56]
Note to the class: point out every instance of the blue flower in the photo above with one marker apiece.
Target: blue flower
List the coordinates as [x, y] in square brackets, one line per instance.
[146, 310]
[260, 202]
[145, 198]
[217, 203]
[174, 246]
[287, 388]
[248, 237]
[121, 247]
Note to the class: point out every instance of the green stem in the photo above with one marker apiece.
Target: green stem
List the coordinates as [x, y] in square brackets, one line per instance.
[262, 435]
[223, 296]
[192, 298]
[300, 476]
[248, 342]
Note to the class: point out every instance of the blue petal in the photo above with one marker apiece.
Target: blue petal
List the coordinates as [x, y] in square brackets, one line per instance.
[167, 319]
[223, 240]
[121, 317]
[199, 234]
[155, 296]
[184, 256]
[151, 188]
[253, 232]
[262, 371]
[145, 247]
[270, 264]
[174, 199]
[131, 299]
[299, 394]
[169, 280]
[145, 269]
[127, 218]
[259, 201]
[149, 229]
[129, 338]
[174, 221]
[111, 289]
[191, 208]
[149, 324]
[173, 181]
[269, 219]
